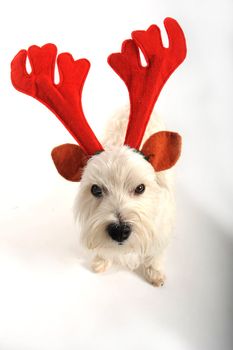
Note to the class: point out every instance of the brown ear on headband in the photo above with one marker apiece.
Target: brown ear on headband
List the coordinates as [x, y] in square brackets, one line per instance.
[69, 160]
[162, 149]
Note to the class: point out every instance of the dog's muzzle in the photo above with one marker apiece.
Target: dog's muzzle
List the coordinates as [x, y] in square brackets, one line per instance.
[119, 231]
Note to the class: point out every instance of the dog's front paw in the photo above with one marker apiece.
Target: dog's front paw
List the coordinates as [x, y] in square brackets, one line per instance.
[100, 265]
[155, 277]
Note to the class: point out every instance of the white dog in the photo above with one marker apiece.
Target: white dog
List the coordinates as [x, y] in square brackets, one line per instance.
[125, 206]
[124, 209]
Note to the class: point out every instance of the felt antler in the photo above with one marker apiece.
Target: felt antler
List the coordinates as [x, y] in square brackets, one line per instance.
[145, 83]
[64, 99]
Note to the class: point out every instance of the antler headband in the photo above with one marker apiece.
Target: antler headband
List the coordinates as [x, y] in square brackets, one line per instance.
[64, 99]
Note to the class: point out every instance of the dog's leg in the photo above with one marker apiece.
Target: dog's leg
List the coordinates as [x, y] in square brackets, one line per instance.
[99, 264]
[153, 270]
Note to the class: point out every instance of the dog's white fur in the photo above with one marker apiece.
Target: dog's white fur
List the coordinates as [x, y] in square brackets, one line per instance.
[119, 170]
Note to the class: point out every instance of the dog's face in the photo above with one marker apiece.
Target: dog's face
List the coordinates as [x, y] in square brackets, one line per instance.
[119, 202]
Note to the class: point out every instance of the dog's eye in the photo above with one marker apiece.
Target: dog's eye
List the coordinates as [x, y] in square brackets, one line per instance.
[139, 189]
[96, 191]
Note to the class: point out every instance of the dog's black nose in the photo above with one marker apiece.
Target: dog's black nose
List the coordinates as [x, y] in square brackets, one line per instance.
[119, 231]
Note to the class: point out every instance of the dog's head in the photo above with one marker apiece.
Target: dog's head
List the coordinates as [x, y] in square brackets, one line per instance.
[119, 201]
[121, 194]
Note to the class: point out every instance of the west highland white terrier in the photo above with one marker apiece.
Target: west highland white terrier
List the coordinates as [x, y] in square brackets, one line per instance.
[125, 204]
[124, 208]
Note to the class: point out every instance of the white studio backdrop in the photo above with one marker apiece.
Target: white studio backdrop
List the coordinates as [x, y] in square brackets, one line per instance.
[49, 299]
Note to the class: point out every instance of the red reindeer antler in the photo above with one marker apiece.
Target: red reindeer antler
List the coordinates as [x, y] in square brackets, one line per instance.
[64, 99]
[145, 83]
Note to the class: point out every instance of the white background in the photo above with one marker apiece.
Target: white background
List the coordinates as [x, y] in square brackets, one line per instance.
[49, 298]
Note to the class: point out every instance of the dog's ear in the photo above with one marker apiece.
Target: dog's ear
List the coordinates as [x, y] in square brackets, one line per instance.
[69, 160]
[162, 149]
